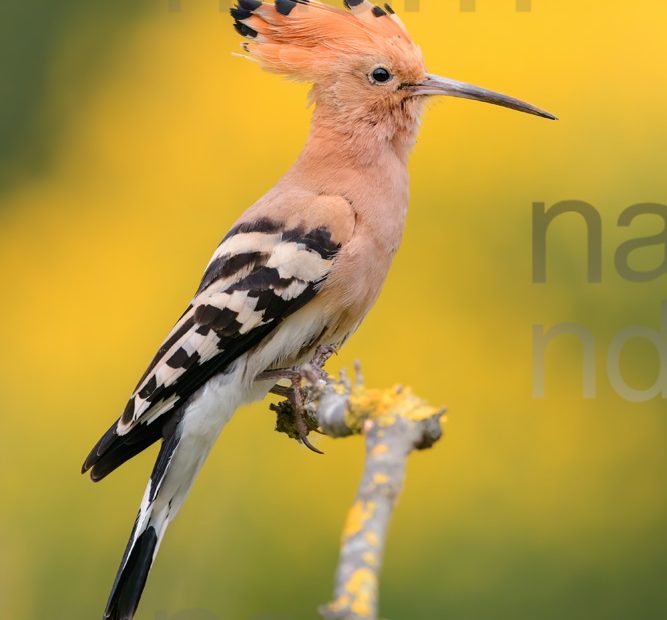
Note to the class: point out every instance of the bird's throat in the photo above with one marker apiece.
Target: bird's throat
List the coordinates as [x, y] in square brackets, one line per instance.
[365, 136]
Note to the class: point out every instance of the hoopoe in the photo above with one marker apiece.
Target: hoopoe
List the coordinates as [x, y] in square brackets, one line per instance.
[301, 268]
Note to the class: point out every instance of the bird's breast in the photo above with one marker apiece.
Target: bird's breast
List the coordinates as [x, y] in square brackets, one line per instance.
[363, 263]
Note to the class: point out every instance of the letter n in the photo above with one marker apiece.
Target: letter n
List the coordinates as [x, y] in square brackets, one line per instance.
[542, 218]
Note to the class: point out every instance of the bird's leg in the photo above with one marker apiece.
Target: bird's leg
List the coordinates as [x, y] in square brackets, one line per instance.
[290, 374]
[312, 372]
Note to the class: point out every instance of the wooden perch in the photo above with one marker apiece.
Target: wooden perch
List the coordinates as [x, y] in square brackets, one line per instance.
[394, 423]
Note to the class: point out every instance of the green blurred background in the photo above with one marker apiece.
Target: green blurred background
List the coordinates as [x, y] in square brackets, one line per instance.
[130, 139]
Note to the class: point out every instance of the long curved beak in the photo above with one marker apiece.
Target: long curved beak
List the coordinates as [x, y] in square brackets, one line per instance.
[436, 85]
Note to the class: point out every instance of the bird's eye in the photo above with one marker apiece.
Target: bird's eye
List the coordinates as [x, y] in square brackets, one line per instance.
[380, 76]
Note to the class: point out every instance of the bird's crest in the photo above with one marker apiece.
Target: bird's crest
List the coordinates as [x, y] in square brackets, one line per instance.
[304, 38]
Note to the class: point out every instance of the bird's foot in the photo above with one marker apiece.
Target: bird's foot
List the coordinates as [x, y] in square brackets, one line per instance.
[293, 416]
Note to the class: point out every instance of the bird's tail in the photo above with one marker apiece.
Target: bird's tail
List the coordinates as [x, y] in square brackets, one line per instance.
[187, 440]
[171, 479]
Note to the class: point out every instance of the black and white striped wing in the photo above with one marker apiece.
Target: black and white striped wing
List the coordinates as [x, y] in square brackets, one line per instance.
[260, 274]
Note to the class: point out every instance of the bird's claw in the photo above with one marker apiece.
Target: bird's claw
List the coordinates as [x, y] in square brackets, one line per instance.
[303, 438]
[299, 408]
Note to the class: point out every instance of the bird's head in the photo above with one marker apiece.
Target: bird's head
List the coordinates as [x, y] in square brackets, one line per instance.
[362, 63]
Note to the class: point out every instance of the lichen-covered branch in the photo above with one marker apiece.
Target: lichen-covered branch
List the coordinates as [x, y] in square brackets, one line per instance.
[394, 423]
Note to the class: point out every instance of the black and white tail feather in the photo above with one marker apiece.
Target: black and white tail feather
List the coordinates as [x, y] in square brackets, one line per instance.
[259, 277]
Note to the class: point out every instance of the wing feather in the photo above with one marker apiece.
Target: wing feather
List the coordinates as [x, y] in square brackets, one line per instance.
[226, 316]
[260, 274]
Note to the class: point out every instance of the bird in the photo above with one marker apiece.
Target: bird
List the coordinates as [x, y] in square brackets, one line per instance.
[301, 268]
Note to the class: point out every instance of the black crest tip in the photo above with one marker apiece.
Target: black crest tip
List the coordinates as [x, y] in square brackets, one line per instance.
[378, 11]
[245, 31]
[239, 13]
[285, 7]
[250, 5]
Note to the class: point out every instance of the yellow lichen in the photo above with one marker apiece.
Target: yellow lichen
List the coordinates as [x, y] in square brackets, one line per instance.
[370, 558]
[362, 587]
[386, 406]
[339, 388]
[380, 478]
[341, 603]
[379, 450]
[359, 514]
[372, 539]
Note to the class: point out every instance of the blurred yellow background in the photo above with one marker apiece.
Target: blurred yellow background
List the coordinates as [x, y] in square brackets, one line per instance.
[131, 139]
